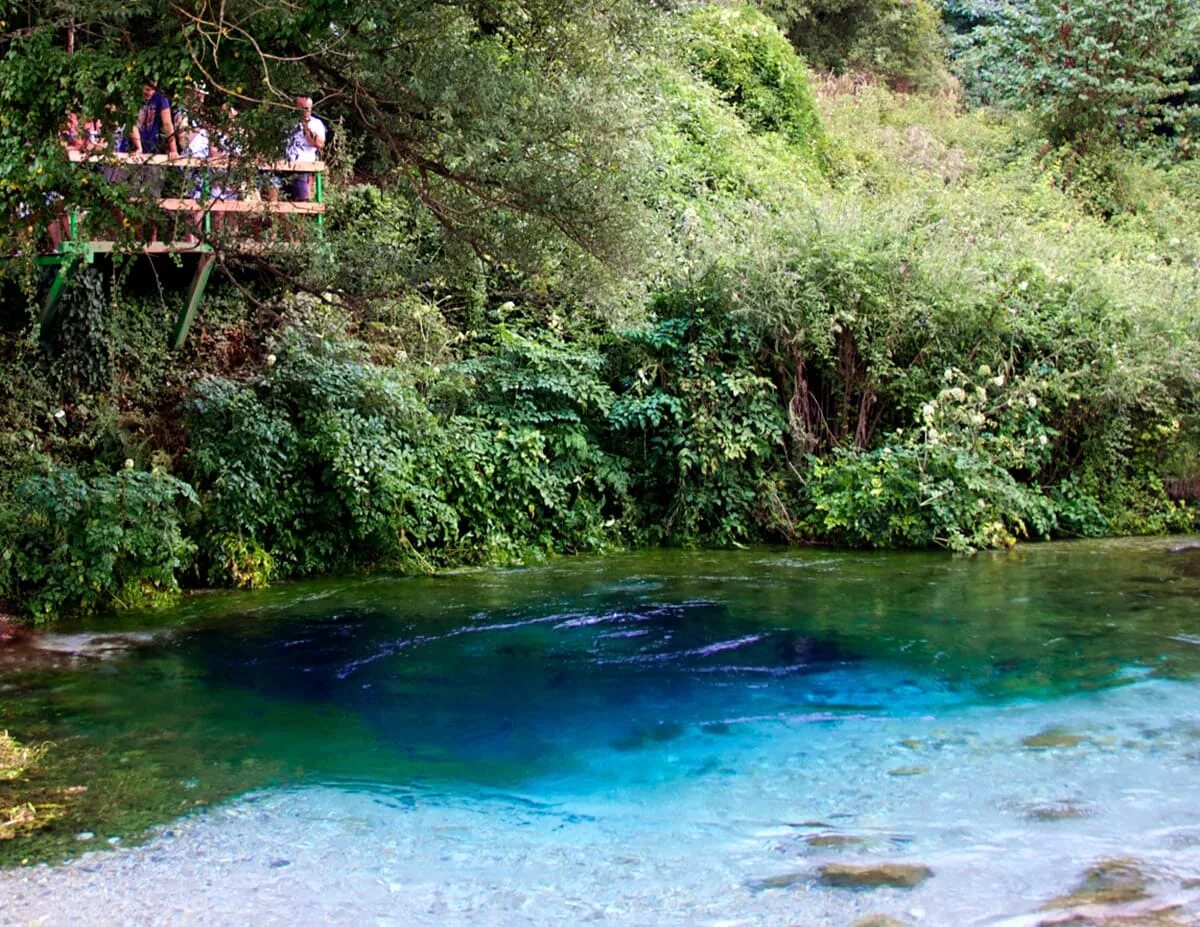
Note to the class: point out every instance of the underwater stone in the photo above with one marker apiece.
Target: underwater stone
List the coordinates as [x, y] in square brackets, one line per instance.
[1111, 881]
[1162, 917]
[874, 875]
[1057, 811]
[878, 920]
[37, 650]
[785, 880]
[834, 840]
[1052, 738]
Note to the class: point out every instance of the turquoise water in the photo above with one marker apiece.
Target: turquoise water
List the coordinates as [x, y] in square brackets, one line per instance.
[666, 738]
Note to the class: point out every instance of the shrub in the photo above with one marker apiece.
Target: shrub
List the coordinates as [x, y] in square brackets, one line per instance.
[314, 467]
[899, 41]
[1091, 71]
[741, 53]
[949, 482]
[526, 471]
[76, 543]
[700, 423]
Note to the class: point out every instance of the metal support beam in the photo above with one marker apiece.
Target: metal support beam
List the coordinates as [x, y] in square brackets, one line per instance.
[67, 266]
[320, 184]
[204, 266]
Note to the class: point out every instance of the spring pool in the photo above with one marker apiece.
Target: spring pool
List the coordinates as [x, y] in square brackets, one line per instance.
[665, 738]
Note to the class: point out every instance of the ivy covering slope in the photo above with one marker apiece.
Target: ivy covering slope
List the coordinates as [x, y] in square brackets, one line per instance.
[771, 308]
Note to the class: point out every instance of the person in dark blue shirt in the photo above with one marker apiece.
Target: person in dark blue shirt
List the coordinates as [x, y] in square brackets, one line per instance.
[155, 126]
[153, 133]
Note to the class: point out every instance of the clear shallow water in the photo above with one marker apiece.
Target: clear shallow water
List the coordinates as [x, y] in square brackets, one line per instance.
[643, 740]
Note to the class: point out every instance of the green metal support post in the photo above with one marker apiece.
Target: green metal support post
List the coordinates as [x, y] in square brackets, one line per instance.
[204, 267]
[70, 255]
[320, 199]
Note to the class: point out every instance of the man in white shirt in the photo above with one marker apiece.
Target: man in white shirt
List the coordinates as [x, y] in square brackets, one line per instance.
[191, 123]
[305, 144]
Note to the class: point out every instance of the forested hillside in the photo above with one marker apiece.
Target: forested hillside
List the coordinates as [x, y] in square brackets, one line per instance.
[854, 272]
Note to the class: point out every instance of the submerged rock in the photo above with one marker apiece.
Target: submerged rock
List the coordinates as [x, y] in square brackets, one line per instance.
[1048, 812]
[874, 875]
[1051, 739]
[878, 920]
[1111, 881]
[1115, 893]
[23, 649]
[89, 645]
[1187, 558]
[784, 880]
[835, 841]
[1163, 917]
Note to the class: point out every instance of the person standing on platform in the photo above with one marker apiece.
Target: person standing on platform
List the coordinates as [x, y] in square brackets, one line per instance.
[305, 145]
[191, 127]
[153, 133]
[191, 123]
[155, 128]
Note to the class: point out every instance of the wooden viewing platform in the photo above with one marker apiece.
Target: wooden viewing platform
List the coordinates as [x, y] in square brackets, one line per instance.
[75, 250]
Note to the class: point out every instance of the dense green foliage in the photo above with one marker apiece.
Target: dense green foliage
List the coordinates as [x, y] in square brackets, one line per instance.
[1090, 72]
[83, 543]
[899, 41]
[700, 423]
[743, 55]
[331, 462]
[619, 276]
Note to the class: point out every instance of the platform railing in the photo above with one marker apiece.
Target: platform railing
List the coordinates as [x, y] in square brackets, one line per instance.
[218, 167]
[75, 249]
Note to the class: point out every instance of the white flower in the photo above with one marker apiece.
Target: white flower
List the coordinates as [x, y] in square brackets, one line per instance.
[128, 463]
[271, 360]
[948, 375]
[1032, 401]
[998, 380]
[957, 394]
[60, 415]
[1043, 440]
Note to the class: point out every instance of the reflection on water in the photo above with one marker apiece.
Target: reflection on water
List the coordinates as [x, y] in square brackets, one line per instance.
[839, 683]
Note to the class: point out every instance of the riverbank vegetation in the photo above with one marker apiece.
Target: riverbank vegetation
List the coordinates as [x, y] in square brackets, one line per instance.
[607, 275]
